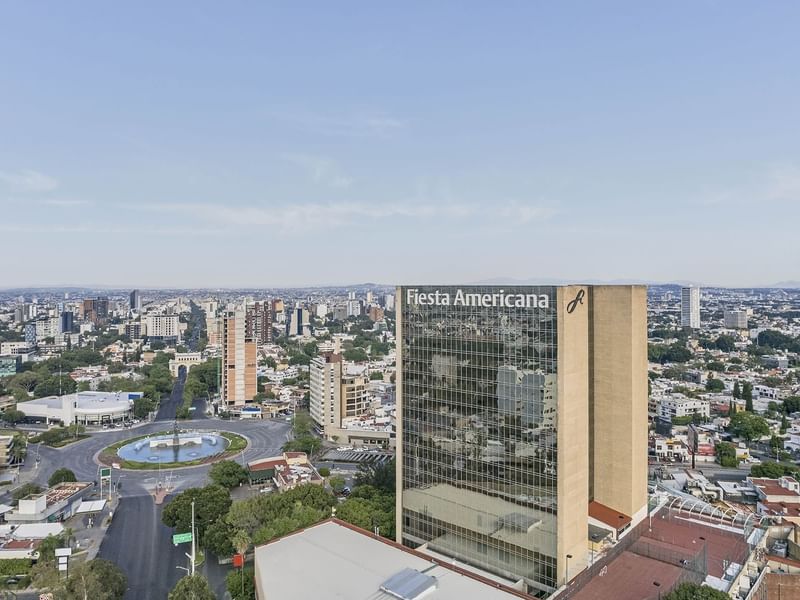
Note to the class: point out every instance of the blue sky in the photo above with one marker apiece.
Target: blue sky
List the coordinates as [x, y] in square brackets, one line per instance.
[242, 143]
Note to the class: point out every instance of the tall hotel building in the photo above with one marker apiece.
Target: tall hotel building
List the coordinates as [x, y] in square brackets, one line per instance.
[239, 361]
[523, 420]
[690, 307]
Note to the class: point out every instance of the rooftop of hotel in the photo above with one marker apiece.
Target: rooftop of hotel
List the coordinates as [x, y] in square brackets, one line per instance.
[352, 563]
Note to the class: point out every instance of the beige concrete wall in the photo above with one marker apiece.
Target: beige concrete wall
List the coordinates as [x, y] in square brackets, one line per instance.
[573, 430]
[398, 510]
[619, 396]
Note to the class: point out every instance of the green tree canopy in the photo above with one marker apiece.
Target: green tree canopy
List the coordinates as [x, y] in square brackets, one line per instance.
[96, 579]
[715, 385]
[61, 475]
[241, 584]
[192, 587]
[211, 503]
[227, 473]
[748, 426]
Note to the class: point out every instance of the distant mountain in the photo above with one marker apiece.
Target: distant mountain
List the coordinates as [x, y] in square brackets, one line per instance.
[785, 284]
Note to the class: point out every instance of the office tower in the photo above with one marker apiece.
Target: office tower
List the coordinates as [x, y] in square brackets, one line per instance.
[163, 327]
[690, 307]
[522, 416]
[388, 302]
[258, 322]
[95, 310]
[136, 301]
[239, 377]
[297, 320]
[375, 313]
[736, 319]
[369, 298]
[67, 321]
[101, 309]
[18, 315]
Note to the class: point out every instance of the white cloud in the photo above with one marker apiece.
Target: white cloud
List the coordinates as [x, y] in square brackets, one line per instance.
[321, 169]
[302, 217]
[28, 181]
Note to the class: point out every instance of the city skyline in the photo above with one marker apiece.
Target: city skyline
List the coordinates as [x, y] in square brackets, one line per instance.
[183, 142]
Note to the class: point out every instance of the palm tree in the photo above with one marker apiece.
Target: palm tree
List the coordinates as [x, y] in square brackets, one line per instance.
[241, 541]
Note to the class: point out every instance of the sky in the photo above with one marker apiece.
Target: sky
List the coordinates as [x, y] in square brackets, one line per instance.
[209, 144]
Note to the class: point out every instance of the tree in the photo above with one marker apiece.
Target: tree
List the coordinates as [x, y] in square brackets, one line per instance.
[784, 424]
[227, 473]
[61, 475]
[376, 376]
[271, 362]
[96, 579]
[211, 503]
[772, 470]
[726, 343]
[726, 454]
[218, 538]
[356, 355]
[324, 471]
[380, 476]
[337, 484]
[24, 490]
[241, 586]
[715, 385]
[748, 426]
[737, 391]
[192, 587]
[747, 394]
[13, 416]
[692, 591]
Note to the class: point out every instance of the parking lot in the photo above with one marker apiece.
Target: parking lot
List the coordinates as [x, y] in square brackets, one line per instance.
[369, 457]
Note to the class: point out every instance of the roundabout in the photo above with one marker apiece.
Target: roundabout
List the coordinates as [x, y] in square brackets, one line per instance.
[173, 449]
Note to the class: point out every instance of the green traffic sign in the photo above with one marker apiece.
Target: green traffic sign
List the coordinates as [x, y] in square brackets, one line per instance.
[181, 538]
[105, 473]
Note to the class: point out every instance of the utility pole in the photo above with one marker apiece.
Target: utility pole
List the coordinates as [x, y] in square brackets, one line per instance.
[193, 542]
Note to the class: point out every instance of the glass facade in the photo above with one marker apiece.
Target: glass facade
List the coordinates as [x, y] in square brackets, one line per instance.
[479, 424]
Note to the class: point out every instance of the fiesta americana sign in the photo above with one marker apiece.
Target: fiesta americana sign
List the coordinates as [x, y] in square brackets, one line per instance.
[461, 298]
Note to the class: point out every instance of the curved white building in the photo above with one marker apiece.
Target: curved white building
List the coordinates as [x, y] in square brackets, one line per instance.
[86, 408]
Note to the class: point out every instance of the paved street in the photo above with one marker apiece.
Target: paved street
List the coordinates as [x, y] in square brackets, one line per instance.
[141, 546]
[136, 540]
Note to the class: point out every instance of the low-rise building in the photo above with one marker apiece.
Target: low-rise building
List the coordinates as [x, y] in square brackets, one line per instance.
[9, 365]
[779, 497]
[86, 408]
[6, 450]
[55, 504]
[352, 563]
[283, 472]
[679, 405]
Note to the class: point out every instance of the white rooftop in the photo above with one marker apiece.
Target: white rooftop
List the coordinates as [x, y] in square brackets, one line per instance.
[353, 565]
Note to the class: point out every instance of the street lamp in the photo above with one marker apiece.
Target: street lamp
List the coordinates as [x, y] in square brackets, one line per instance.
[566, 576]
[658, 587]
[594, 539]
